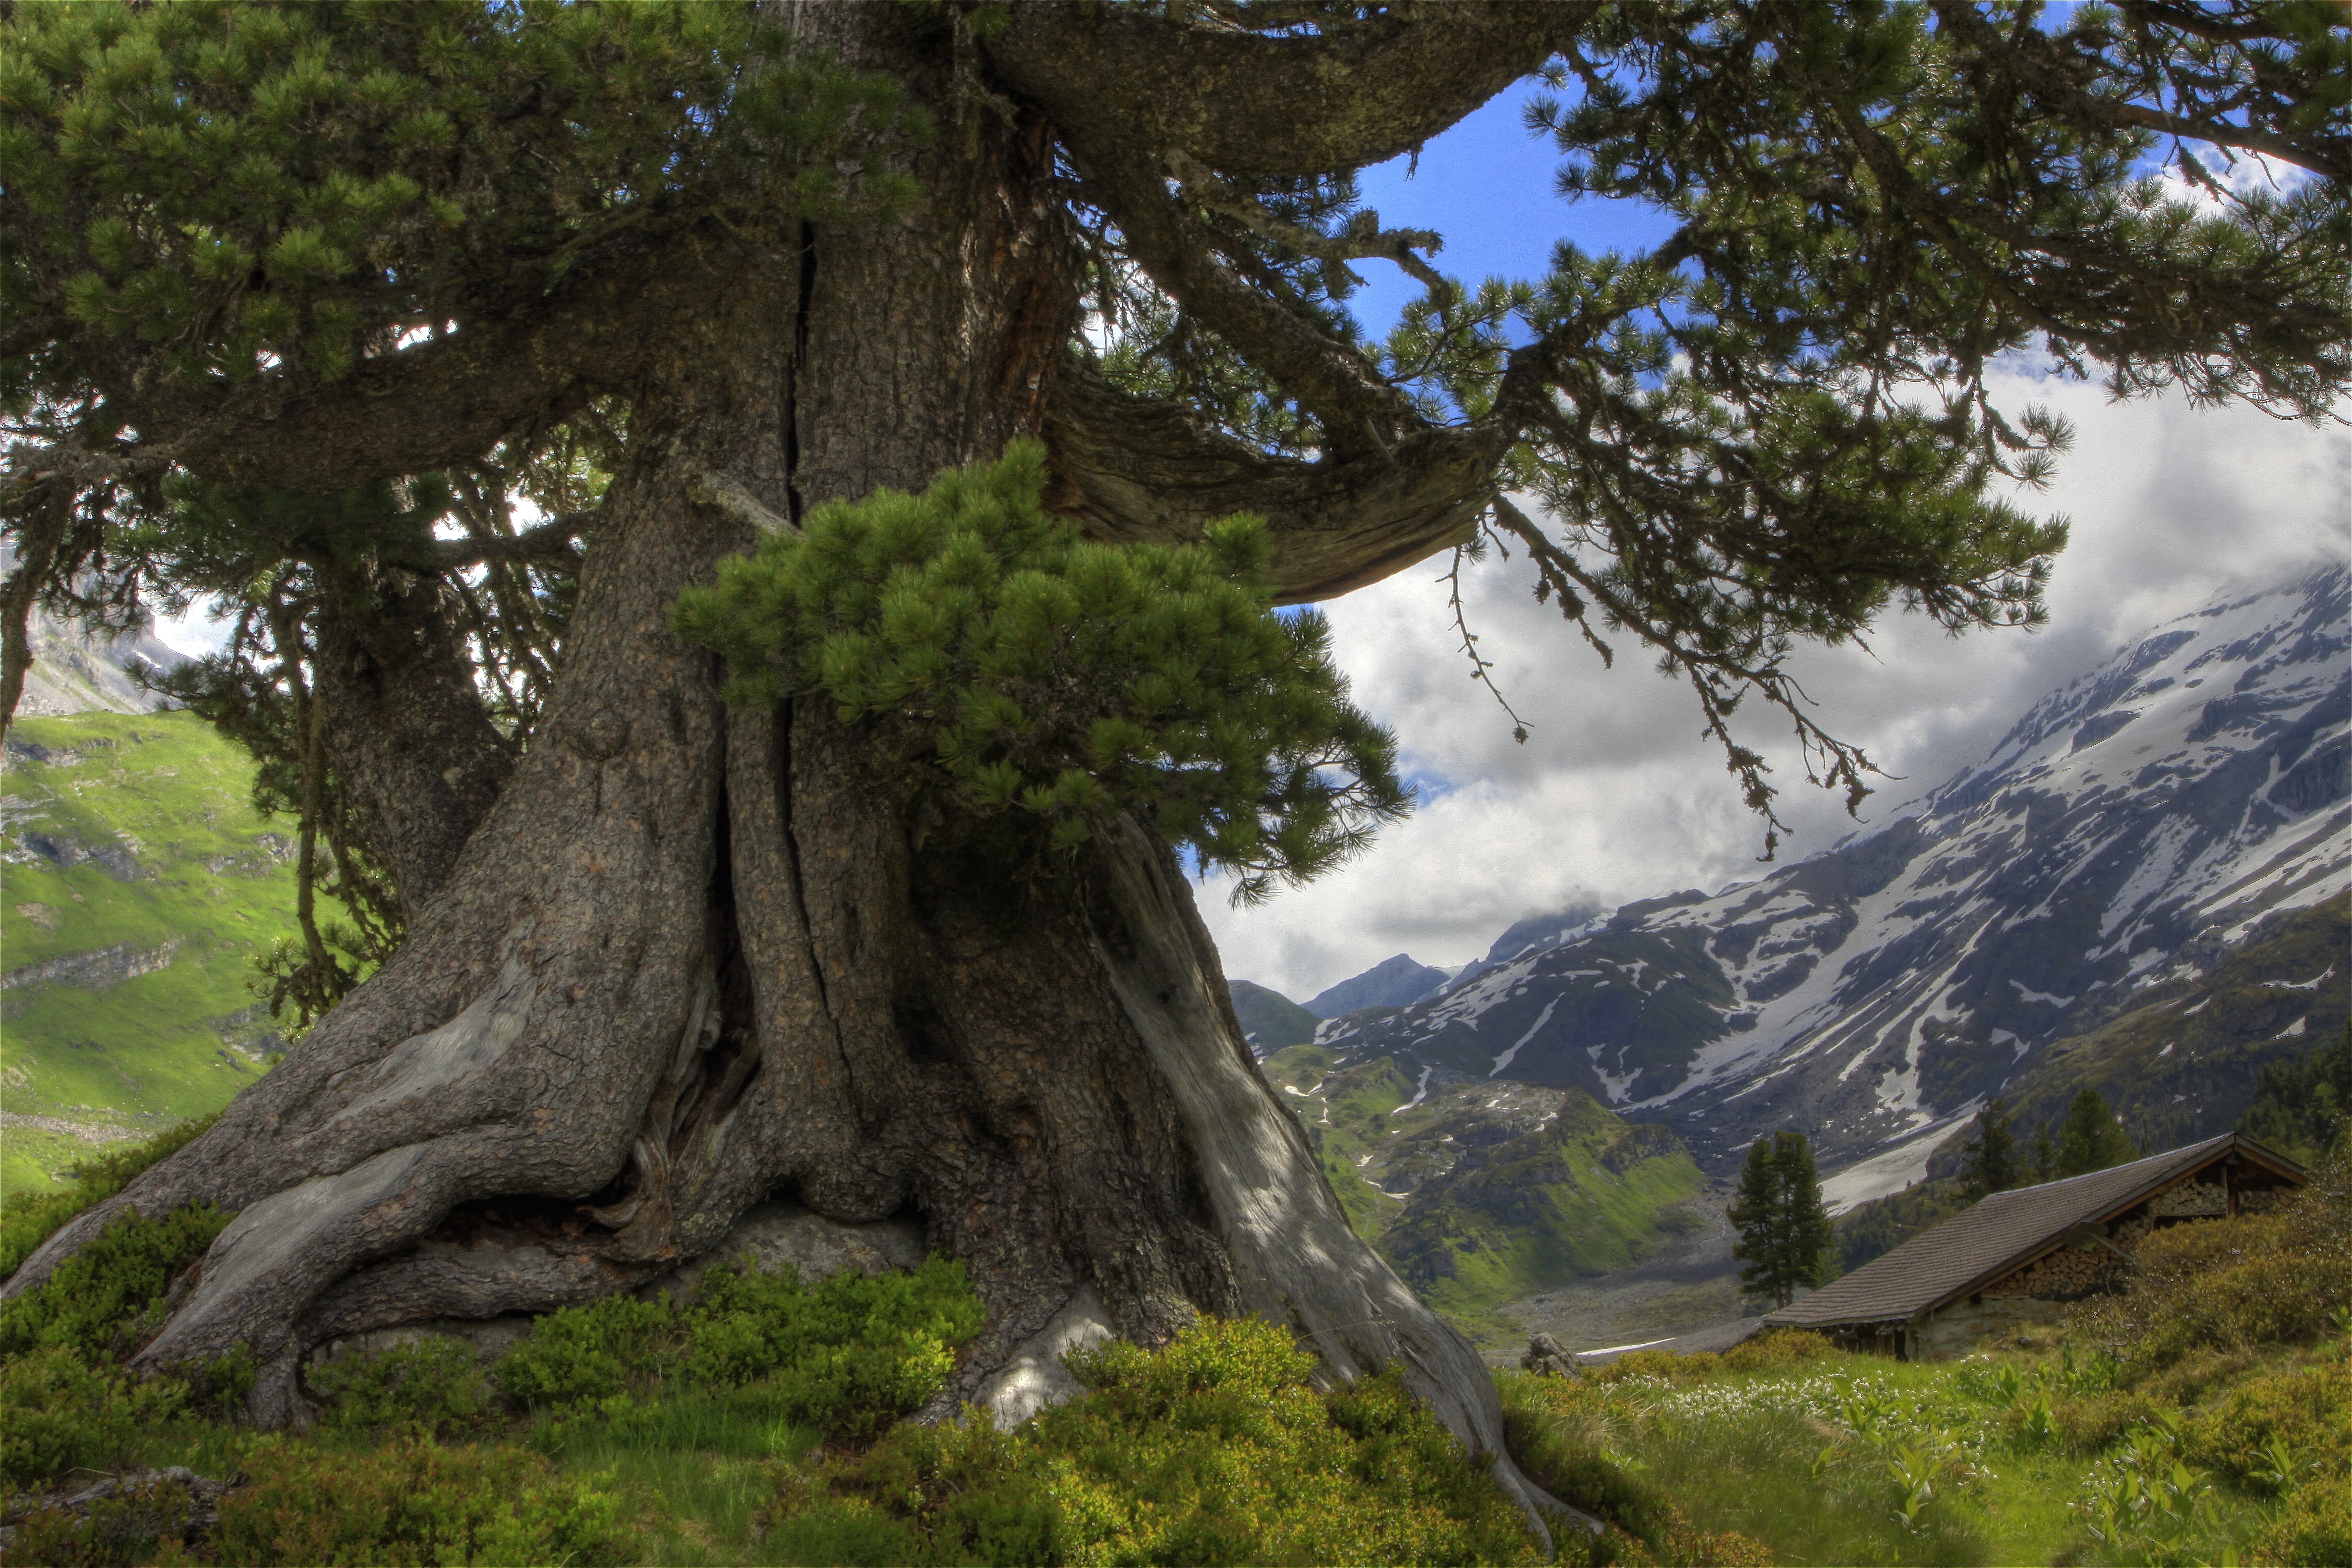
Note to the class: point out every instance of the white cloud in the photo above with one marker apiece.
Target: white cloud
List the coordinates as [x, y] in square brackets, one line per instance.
[1614, 792]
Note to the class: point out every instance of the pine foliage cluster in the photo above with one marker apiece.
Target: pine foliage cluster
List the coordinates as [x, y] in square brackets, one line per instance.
[1065, 680]
[246, 185]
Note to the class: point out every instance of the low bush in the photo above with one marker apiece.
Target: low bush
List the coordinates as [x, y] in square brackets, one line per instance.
[412, 1502]
[138, 1526]
[1777, 1349]
[59, 1414]
[2314, 1527]
[588, 1355]
[2264, 1430]
[2233, 1284]
[437, 1386]
[2089, 1422]
[108, 1297]
[1217, 1449]
[847, 1356]
[27, 1219]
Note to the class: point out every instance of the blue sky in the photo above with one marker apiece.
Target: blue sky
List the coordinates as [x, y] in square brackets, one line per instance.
[1486, 186]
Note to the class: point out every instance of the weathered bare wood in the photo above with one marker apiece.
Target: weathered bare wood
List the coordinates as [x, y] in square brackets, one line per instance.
[1139, 472]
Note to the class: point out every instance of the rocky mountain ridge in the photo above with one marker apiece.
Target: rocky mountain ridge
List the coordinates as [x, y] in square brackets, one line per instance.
[2130, 832]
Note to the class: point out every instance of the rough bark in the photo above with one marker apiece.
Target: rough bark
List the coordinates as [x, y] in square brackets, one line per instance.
[1274, 104]
[410, 737]
[690, 960]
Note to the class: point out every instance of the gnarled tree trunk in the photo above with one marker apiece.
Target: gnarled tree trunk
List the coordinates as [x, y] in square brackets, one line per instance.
[692, 959]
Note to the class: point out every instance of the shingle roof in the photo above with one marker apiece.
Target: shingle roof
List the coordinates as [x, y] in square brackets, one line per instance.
[1985, 1241]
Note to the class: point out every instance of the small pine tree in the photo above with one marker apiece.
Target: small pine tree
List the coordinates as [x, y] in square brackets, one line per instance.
[1991, 1154]
[1785, 1235]
[2045, 1153]
[2091, 1139]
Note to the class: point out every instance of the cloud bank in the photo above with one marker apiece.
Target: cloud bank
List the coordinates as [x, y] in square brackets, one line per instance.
[1615, 794]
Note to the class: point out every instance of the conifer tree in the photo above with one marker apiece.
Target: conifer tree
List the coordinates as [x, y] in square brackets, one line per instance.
[457, 344]
[1991, 1154]
[2303, 1107]
[2045, 1153]
[1785, 1233]
[2090, 1138]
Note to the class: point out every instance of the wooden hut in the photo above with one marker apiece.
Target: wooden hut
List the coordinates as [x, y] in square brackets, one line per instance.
[2019, 1256]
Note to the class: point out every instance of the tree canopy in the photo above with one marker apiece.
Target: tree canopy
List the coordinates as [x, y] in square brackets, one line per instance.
[2090, 1138]
[317, 248]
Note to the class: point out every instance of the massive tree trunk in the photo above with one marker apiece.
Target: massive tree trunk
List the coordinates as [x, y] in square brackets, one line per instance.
[692, 959]
[410, 739]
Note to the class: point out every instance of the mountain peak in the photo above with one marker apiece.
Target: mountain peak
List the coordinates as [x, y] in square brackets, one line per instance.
[1391, 983]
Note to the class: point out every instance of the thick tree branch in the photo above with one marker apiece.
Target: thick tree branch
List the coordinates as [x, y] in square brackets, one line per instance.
[431, 406]
[550, 541]
[1283, 105]
[1140, 471]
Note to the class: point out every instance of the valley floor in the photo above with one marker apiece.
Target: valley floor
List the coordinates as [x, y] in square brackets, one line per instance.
[1684, 1299]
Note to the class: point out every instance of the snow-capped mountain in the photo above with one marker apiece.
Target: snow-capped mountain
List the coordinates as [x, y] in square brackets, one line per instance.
[2129, 829]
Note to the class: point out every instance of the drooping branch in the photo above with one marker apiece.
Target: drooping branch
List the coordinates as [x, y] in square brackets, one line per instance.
[2235, 96]
[1281, 106]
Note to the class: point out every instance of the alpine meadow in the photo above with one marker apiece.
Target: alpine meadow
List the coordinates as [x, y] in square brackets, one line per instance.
[768, 546]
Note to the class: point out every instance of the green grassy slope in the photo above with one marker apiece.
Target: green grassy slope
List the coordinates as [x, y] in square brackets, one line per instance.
[1269, 1019]
[1487, 1191]
[132, 860]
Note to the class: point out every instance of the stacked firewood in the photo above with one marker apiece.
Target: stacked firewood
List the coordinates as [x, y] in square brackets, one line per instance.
[2191, 1197]
[2069, 1271]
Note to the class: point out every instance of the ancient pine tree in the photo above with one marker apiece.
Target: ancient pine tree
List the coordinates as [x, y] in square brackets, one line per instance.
[843, 876]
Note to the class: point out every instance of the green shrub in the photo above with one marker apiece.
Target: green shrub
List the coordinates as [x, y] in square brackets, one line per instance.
[2314, 1528]
[59, 1414]
[847, 1356]
[1217, 1449]
[2267, 1430]
[2089, 1422]
[2234, 1284]
[27, 1219]
[843, 1533]
[109, 1296]
[412, 1502]
[1061, 680]
[1777, 1349]
[137, 1528]
[438, 1384]
[589, 1355]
